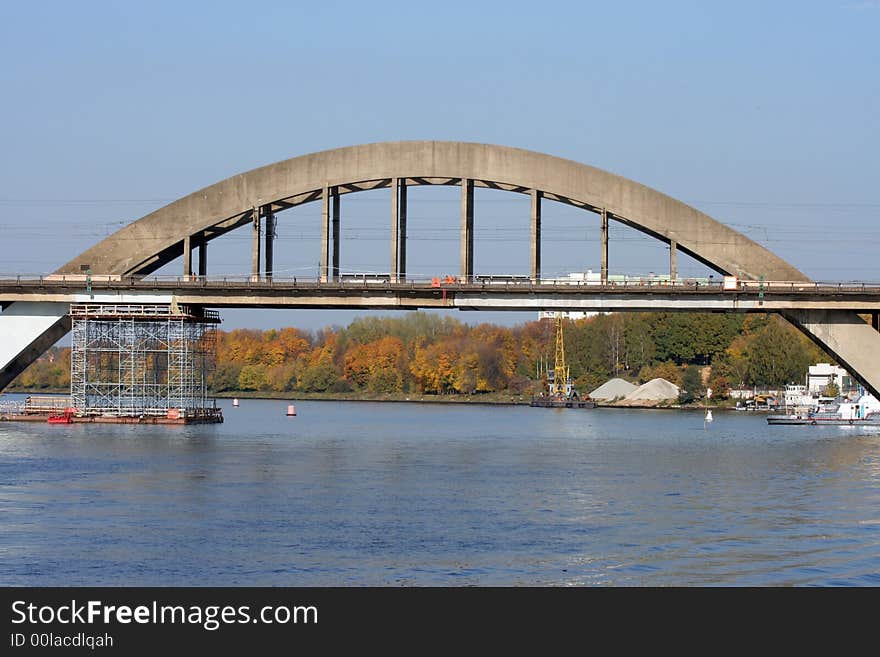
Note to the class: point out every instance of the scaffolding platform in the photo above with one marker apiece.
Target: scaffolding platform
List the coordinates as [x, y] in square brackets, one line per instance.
[141, 364]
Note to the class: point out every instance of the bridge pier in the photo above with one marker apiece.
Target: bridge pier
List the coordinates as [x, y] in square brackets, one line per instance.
[467, 229]
[203, 257]
[604, 269]
[536, 236]
[673, 265]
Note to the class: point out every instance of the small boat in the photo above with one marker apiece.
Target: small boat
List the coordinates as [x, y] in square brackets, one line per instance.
[815, 419]
[863, 412]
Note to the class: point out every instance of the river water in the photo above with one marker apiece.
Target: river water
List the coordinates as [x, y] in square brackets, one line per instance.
[351, 493]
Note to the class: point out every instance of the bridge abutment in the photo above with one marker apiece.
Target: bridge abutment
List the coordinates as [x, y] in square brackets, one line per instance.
[28, 328]
[853, 342]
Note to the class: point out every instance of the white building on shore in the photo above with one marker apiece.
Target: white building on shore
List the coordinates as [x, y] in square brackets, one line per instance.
[822, 374]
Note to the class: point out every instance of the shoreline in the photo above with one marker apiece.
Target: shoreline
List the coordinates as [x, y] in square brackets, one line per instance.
[490, 399]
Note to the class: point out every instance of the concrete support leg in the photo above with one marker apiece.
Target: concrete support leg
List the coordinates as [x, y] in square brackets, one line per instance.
[853, 342]
[335, 233]
[536, 236]
[255, 255]
[467, 229]
[325, 234]
[270, 243]
[673, 257]
[187, 257]
[604, 270]
[875, 321]
[395, 238]
[398, 229]
[203, 258]
[401, 234]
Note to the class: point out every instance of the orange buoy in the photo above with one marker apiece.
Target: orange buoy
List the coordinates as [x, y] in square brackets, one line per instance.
[291, 410]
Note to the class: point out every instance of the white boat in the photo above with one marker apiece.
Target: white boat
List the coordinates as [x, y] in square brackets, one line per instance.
[864, 411]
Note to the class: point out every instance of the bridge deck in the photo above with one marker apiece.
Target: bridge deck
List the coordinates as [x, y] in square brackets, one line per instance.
[646, 295]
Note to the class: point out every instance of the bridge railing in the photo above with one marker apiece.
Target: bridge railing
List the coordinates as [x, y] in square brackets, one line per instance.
[78, 281]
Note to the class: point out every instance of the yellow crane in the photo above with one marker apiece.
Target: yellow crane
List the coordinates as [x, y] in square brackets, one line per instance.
[561, 393]
[559, 385]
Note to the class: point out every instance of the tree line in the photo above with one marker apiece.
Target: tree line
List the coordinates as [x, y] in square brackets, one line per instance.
[428, 354]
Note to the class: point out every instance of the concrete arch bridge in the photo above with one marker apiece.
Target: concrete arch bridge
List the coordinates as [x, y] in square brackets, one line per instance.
[35, 312]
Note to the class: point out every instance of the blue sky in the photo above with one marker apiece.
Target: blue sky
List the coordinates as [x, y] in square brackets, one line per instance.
[762, 114]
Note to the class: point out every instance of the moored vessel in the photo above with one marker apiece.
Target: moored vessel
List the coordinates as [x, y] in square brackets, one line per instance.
[864, 411]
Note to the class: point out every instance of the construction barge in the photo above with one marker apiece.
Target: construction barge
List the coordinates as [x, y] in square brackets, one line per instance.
[561, 402]
[138, 363]
[57, 410]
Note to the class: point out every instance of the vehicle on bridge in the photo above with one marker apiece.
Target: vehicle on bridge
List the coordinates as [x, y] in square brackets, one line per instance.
[501, 279]
[365, 278]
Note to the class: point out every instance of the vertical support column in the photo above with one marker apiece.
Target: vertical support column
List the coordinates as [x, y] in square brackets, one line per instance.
[395, 236]
[255, 255]
[536, 236]
[875, 321]
[270, 242]
[467, 229]
[335, 233]
[604, 270]
[673, 260]
[401, 234]
[325, 233]
[203, 257]
[187, 257]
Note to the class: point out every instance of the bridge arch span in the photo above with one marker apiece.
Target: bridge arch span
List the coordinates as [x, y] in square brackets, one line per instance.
[157, 238]
[163, 235]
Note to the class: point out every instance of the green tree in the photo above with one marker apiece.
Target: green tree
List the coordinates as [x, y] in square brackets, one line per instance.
[252, 377]
[777, 355]
[668, 370]
[691, 385]
[319, 377]
[226, 377]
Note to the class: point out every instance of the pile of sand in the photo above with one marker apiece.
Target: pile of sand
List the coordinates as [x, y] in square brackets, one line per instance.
[654, 390]
[613, 389]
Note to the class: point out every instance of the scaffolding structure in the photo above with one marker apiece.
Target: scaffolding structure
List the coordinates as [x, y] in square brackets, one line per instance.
[141, 360]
